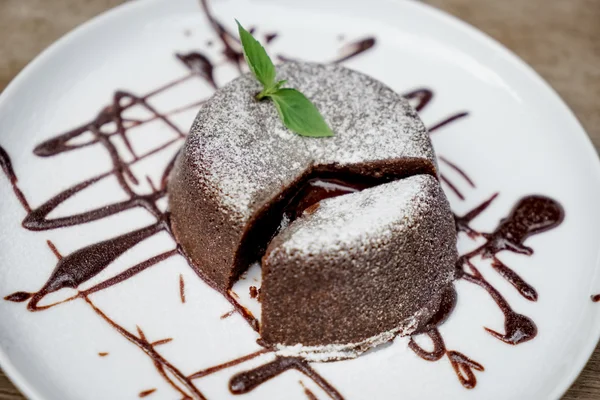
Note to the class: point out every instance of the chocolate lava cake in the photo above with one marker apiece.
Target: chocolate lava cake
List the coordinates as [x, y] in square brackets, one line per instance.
[356, 239]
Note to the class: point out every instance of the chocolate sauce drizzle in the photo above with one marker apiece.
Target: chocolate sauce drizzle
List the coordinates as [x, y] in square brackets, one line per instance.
[181, 383]
[420, 98]
[309, 394]
[147, 392]
[463, 366]
[355, 48]
[181, 288]
[244, 382]
[231, 45]
[8, 170]
[531, 215]
[269, 37]
[348, 52]
[228, 364]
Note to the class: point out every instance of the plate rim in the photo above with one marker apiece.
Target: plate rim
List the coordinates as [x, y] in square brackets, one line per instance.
[22, 383]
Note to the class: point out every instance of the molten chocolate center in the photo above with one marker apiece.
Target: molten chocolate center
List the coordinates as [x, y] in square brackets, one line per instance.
[318, 189]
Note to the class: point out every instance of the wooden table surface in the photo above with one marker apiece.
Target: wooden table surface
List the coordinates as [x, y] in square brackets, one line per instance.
[559, 38]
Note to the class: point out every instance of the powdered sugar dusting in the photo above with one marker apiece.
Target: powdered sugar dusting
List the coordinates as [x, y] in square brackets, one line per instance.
[244, 154]
[337, 352]
[355, 220]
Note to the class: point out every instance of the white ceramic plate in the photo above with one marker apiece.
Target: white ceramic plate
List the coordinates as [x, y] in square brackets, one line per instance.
[517, 139]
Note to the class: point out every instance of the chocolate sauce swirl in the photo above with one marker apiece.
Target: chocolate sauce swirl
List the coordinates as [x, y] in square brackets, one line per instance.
[530, 216]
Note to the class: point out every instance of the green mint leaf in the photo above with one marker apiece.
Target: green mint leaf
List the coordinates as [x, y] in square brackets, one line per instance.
[298, 113]
[257, 58]
[279, 85]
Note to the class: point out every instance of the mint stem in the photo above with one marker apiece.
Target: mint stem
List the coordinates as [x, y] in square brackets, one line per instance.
[261, 95]
[266, 92]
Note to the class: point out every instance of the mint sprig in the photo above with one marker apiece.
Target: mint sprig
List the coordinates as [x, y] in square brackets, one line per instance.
[296, 112]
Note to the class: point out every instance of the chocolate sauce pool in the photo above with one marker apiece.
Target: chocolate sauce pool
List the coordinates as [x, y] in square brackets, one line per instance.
[531, 215]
